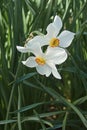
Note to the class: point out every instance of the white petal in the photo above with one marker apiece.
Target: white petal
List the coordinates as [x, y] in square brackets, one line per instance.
[46, 39]
[58, 57]
[56, 52]
[35, 48]
[30, 62]
[33, 40]
[43, 70]
[54, 28]
[42, 40]
[54, 70]
[51, 31]
[23, 49]
[57, 24]
[66, 38]
[53, 51]
[56, 74]
[39, 39]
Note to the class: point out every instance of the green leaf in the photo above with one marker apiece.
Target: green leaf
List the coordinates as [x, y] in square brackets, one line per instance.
[36, 120]
[80, 100]
[57, 96]
[28, 107]
[24, 77]
[7, 121]
[64, 121]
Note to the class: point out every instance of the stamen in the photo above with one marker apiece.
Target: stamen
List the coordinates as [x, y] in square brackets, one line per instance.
[54, 42]
[40, 60]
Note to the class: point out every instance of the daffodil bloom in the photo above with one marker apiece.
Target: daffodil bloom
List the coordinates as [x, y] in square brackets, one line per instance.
[45, 63]
[52, 38]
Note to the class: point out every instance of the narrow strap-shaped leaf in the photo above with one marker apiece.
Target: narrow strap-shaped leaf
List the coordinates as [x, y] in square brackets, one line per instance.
[57, 96]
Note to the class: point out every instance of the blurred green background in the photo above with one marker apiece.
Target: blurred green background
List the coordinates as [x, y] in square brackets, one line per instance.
[29, 101]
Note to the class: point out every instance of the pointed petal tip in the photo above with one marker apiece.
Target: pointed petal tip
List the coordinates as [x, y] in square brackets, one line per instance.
[17, 46]
[60, 77]
[57, 17]
[57, 76]
[22, 49]
[23, 62]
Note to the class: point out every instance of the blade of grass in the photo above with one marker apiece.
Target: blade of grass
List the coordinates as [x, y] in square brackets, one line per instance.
[19, 105]
[40, 120]
[64, 121]
[57, 96]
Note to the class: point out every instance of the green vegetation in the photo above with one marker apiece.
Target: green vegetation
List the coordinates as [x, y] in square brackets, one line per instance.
[29, 101]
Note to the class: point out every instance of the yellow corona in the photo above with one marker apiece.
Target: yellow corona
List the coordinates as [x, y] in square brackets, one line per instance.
[54, 42]
[40, 60]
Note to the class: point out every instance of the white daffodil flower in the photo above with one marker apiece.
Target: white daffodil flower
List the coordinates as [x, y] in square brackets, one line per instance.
[45, 63]
[52, 38]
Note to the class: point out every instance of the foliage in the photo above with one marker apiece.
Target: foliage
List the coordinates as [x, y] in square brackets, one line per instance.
[31, 101]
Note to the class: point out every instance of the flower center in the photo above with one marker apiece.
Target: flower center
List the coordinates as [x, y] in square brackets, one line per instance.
[54, 42]
[40, 60]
